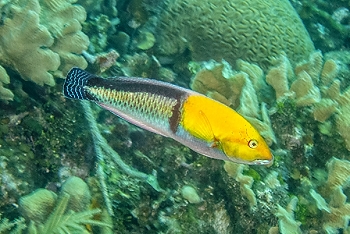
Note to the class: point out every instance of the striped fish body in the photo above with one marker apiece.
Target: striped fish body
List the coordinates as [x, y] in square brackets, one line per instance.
[202, 124]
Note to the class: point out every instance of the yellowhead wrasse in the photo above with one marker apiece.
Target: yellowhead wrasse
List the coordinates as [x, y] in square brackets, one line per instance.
[198, 122]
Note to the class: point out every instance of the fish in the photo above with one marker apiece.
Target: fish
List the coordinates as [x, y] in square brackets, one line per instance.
[204, 125]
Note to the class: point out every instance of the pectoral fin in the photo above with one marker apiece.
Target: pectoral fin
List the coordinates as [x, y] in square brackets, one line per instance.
[199, 126]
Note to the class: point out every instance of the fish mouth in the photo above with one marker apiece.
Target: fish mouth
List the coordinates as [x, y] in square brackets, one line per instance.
[263, 162]
[259, 162]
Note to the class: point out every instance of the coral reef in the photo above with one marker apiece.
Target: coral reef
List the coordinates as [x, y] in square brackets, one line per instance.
[145, 183]
[63, 20]
[41, 39]
[255, 31]
[17, 225]
[287, 223]
[38, 205]
[103, 151]
[314, 83]
[235, 170]
[24, 44]
[335, 214]
[5, 94]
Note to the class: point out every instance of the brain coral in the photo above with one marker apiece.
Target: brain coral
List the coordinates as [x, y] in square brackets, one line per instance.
[253, 30]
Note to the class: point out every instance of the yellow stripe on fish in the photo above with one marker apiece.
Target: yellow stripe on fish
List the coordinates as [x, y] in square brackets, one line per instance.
[156, 105]
[198, 122]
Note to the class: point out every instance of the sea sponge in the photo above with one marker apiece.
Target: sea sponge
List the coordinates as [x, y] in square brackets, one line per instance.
[256, 31]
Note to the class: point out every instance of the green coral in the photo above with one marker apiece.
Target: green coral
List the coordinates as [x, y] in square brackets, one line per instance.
[256, 31]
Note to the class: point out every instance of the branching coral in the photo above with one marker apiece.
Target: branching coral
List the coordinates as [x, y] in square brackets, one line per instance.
[287, 223]
[63, 20]
[314, 83]
[41, 39]
[335, 214]
[24, 44]
[255, 31]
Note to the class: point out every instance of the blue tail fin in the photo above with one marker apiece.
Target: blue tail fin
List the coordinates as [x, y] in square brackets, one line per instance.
[74, 84]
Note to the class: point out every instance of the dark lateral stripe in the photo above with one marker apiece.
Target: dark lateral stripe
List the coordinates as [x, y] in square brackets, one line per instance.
[175, 117]
[134, 85]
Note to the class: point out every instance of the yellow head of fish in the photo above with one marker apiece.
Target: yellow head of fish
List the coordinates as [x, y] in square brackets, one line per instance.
[228, 134]
[249, 148]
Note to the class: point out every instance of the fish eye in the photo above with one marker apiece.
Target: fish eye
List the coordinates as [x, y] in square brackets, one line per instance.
[253, 144]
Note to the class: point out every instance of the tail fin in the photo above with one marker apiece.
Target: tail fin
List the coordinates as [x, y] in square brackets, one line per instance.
[74, 84]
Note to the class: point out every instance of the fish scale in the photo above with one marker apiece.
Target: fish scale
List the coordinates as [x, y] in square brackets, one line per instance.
[156, 108]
